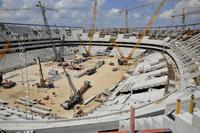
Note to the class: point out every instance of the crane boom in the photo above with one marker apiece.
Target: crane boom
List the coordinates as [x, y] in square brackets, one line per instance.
[136, 7]
[13, 9]
[82, 44]
[118, 48]
[91, 32]
[47, 28]
[42, 81]
[126, 10]
[150, 23]
[75, 98]
[71, 84]
[184, 13]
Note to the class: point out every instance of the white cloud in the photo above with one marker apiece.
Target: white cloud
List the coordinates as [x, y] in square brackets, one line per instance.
[166, 14]
[189, 5]
[71, 12]
[113, 12]
[136, 15]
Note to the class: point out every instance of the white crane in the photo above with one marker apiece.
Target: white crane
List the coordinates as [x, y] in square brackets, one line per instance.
[58, 56]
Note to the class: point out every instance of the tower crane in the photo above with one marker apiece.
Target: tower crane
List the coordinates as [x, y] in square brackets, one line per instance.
[92, 29]
[184, 13]
[150, 23]
[58, 56]
[124, 60]
[126, 11]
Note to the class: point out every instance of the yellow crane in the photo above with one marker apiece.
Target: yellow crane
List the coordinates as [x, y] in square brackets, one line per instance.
[92, 29]
[149, 25]
[6, 49]
[123, 60]
[87, 53]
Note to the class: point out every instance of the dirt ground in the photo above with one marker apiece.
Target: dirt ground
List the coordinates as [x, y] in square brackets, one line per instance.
[103, 79]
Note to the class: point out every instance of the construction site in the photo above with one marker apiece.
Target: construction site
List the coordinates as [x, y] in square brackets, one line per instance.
[100, 80]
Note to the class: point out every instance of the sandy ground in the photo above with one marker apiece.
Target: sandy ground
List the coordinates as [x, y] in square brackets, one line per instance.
[103, 79]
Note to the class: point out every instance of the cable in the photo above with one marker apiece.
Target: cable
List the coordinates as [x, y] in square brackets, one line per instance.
[22, 57]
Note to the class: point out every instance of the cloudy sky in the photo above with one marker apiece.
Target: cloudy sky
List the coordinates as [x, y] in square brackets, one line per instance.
[79, 12]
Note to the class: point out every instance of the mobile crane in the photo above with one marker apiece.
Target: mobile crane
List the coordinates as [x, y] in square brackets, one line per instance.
[124, 60]
[76, 97]
[58, 56]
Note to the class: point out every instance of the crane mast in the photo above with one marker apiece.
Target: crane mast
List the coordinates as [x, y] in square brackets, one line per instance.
[47, 29]
[71, 84]
[126, 11]
[124, 60]
[75, 98]
[42, 81]
[150, 23]
[94, 17]
[87, 53]
[183, 14]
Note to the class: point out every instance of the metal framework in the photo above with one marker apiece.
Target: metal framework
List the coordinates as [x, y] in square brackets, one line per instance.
[47, 28]
[92, 30]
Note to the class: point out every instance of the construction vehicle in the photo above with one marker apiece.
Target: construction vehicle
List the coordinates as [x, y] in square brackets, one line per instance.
[58, 56]
[114, 69]
[91, 71]
[43, 83]
[100, 63]
[126, 10]
[7, 84]
[124, 60]
[76, 97]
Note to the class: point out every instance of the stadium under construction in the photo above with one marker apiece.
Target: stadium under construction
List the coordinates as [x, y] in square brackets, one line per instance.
[100, 80]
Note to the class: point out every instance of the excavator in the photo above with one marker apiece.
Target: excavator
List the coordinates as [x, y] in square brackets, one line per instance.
[76, 97]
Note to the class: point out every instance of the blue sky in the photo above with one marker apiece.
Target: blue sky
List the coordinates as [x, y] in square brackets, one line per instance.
[79, 12]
